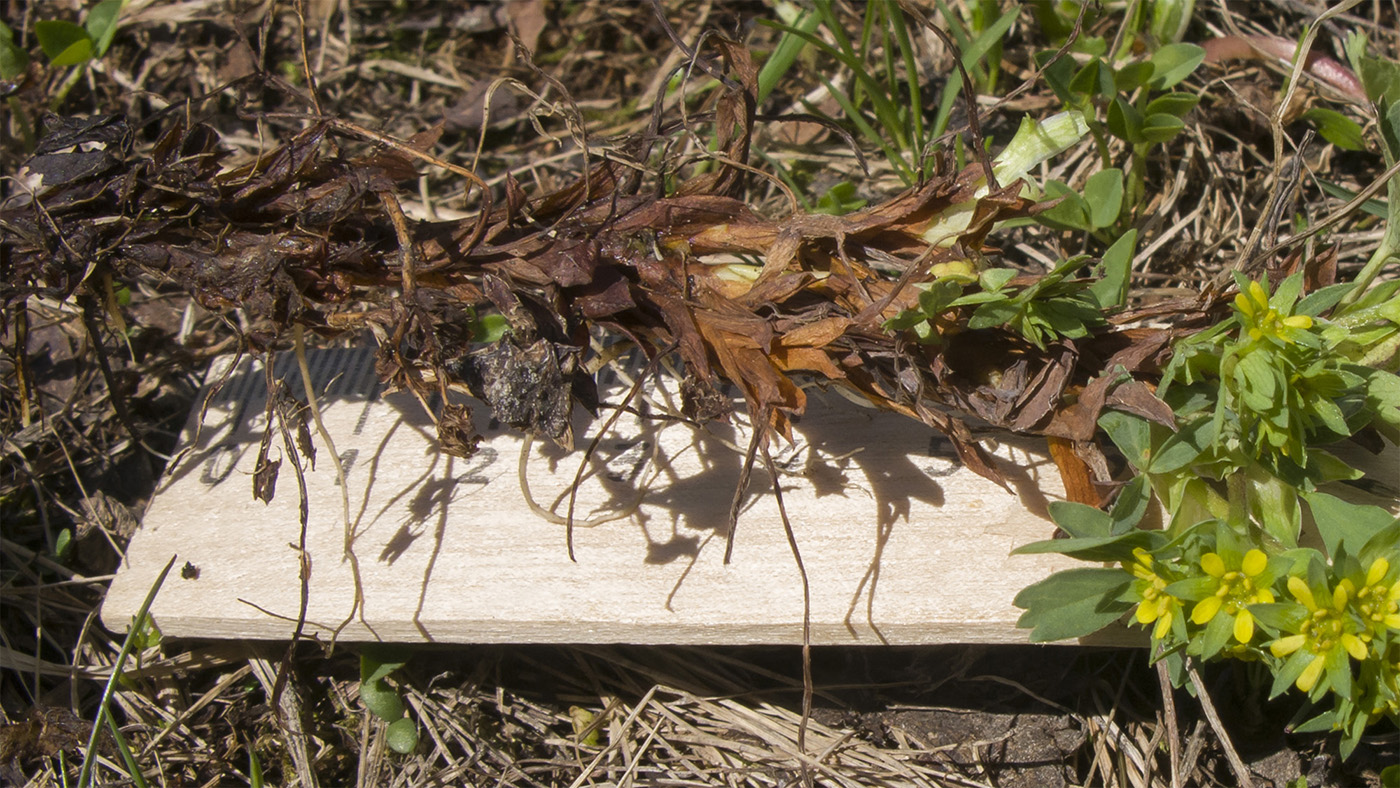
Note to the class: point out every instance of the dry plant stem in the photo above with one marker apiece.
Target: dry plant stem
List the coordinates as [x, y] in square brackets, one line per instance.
[1300, 61]
[348, 547]
[1236, 764]
[973, 124]
[593, 445]
[288, 708]
[806, 602]
[303, 557]
[759, 432]
[1173, 732]
[1351, 206]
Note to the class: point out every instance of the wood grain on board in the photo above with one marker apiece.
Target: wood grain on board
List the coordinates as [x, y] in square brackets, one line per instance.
[902, 545]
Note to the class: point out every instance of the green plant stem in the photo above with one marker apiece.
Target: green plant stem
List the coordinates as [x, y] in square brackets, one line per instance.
[62, 93]
[137, 621]
[26, 129]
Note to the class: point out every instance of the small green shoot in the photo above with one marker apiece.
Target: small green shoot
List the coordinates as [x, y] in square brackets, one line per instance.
[377, 662]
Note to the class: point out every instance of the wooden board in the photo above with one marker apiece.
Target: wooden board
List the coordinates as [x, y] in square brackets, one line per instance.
[901, 543]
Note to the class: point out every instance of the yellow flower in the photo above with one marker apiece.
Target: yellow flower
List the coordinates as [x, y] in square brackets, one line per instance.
[1377, 602]
[1156, 604]
[1324, 630]
[1236, 588]
[1262, 320]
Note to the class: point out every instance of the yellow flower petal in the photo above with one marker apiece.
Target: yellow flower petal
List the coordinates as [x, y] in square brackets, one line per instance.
[1285, 646]
[1339, 597]
[1354, 647]
[1213, 564]
[1263, 597]
[1301, 592]
[1298, 321]
[1311, 673]
[1164, 625]
[1255, 562]
[1258, 294]
[1206, 609]
[1147, 612]
[1244, 626]
[1377, 572]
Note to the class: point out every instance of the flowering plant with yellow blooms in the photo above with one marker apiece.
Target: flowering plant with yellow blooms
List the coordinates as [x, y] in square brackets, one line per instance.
[1259, 399]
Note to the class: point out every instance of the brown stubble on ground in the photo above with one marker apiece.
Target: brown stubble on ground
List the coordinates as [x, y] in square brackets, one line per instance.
[73, 457]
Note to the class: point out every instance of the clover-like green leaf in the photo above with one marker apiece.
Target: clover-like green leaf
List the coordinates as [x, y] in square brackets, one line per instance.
[382, 700]
[64, 43]
[101, 24]
[1133, 76]
[1111, 290]
[1175, 62]
[402, 735]
[1103, 193]
[1124, 121]
[1161, 127]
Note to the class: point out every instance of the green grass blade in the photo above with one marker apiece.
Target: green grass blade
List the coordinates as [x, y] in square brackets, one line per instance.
[133, 771]
[884, 108]
[784, 55]
[137, 621]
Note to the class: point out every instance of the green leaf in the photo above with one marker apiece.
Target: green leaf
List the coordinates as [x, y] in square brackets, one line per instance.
[1058, 76]
[1094, 79]
[402, 735]
[1217, 635]
[1319, 301]
[1161, 127]
[997, 313]
[1104, 195]
[1390, 777]
[490, 328]
[1381, 78]
[1111, 290]
[1132, 76]
[13, 60]
[1175, 62]
[378, 660]
[1287, 673]
[994, 279]
[1131, 434]
[1124, 121]
[64, 43]
[936, 297]
[1131, 505]
[1080, 519]
[1342, 523]
[1073, 603]
[1070, 213]
[63, 543]
[1099, 549]
[381, 700]
[1182, 449]
[1283, 616]
[1339, 671]
[102, 24]
[1177, 104]
[1337, 128]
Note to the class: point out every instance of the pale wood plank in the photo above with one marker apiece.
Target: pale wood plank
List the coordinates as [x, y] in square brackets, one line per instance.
[902, 544]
